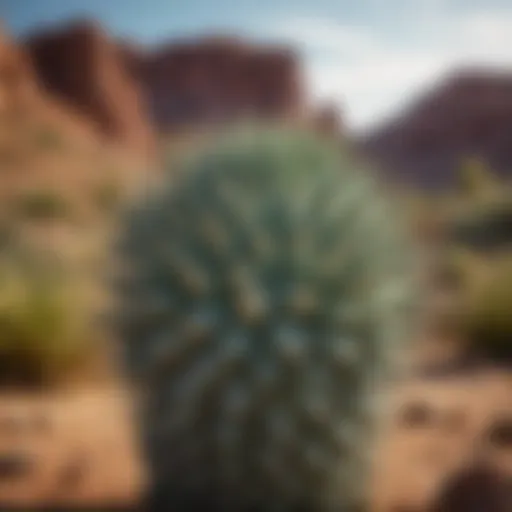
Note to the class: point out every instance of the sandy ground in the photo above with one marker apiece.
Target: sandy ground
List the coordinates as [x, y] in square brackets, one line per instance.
[447, 446]
[75, 448]
[80, 447]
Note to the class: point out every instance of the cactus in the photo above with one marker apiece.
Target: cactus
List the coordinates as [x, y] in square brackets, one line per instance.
[269, 291]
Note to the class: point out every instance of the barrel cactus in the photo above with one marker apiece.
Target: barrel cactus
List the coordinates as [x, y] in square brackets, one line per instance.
[265, 294]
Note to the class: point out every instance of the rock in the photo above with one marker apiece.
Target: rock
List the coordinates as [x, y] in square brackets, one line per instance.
[131, 92]
[500, 433]
[80, 64]
[417, 415]
[18, 84]
[73, 473]
[468, 115]
[474, 490]
[216, 79]
[15, 465]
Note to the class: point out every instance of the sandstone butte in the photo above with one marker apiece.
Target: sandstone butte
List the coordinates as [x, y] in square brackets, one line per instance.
[133, 93]
[467, 114]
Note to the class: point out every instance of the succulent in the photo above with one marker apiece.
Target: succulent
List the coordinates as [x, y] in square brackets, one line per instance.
[266, 294]
[488, 313]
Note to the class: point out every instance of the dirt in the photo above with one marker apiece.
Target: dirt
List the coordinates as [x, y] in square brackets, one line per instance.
[446, 439]
[67, 449]
[443, 440]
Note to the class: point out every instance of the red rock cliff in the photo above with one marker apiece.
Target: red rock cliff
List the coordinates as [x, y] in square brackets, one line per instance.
[24, 105]
[18, 83]
[217, 79]
[126, 88]
[81, 65]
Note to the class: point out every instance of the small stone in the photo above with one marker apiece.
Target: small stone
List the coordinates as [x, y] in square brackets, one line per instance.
[417, 414]
[500, 433]
[15, 465]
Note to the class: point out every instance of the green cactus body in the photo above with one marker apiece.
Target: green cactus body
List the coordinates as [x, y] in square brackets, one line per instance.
[268, 294]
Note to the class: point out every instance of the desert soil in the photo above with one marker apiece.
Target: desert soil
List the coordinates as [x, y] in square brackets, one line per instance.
[69, 448]
[80, 447]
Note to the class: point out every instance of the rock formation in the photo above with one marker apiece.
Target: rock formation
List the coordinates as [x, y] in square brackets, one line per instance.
[24, 105]
[17, 80]
[469, 114]
[80, 64]
[217, 79]
[127, 89]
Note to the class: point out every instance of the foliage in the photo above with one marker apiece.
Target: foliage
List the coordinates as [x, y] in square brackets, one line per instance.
[478, 225]
[41, 324]
[42, 205]
[489, 312]
[476, 181]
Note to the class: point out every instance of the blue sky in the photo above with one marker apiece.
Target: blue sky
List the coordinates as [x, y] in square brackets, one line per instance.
[370, 56]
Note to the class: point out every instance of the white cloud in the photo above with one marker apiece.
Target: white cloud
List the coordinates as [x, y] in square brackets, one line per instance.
[327, 36]
[373, 73]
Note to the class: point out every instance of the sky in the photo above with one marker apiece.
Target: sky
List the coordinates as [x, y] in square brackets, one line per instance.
[372, 57]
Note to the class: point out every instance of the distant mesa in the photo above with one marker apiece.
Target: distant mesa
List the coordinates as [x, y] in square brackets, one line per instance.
[217, 79]
[469, 114]
[131, 92]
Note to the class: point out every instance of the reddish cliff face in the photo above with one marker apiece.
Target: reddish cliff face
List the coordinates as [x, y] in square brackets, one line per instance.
[24, 106]
[82, 66]
[216, 79]
[17, 80]
[470, 114]
[132, 92]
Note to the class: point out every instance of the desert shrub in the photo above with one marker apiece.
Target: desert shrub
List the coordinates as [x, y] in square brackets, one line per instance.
[488, 312]
[48, 137]
[41, 322]
[107, 196]
[485, 227]
[475, 180]
[42, 205]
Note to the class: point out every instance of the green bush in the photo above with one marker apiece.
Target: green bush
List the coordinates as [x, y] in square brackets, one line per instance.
[41, 322]
[488, 313]
[42, 205]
